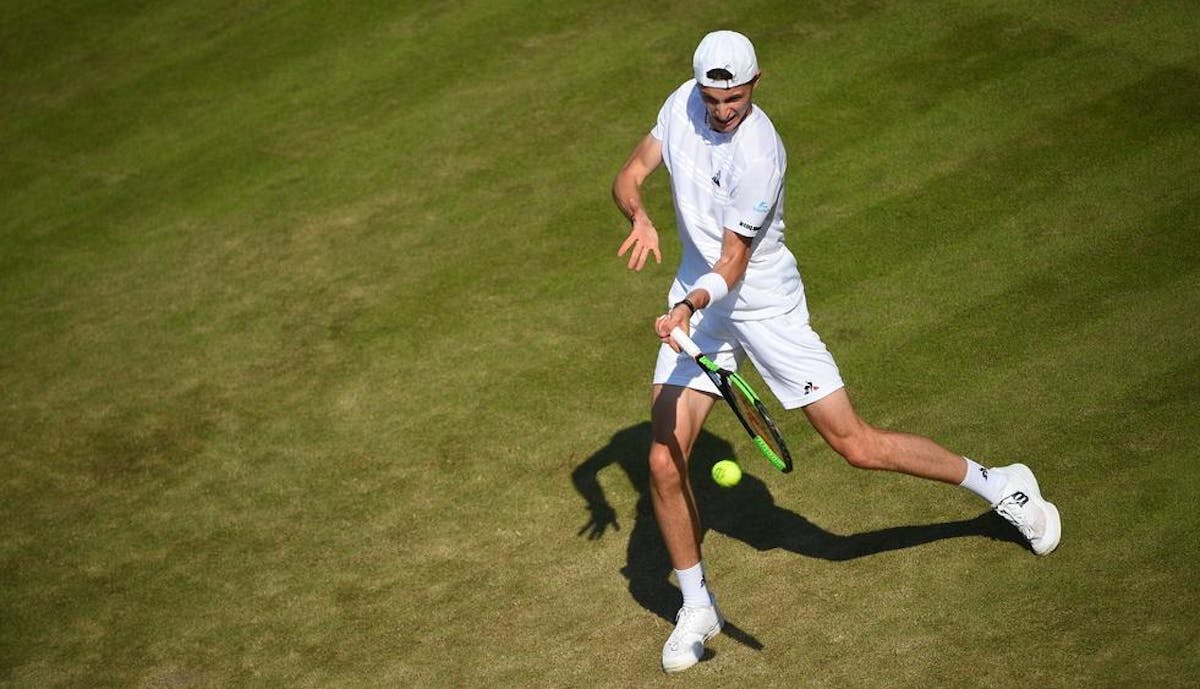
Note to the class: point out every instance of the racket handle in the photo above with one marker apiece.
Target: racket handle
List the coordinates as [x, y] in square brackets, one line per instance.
[685, 343]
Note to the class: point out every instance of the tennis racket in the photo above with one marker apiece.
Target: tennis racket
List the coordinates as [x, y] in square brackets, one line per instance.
[746, 405]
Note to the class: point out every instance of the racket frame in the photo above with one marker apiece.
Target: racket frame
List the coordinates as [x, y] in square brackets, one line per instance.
[730, 384]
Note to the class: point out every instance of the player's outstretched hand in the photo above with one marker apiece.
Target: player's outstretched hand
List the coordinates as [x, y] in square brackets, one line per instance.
[643, 239]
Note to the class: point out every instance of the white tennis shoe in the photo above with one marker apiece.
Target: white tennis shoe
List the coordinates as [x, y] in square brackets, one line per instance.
[1023, 506]
[693, 626]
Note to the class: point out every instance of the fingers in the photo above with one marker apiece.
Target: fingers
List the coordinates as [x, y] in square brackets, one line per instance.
[637, 259]
[645, 255]
[660, 328]
[629, 241]
[643, 245]
[663, 325]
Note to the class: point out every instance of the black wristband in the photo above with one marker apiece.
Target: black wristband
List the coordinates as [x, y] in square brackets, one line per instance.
[687, 303]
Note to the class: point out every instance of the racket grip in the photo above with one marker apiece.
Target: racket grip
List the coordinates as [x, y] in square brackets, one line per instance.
[685, 343]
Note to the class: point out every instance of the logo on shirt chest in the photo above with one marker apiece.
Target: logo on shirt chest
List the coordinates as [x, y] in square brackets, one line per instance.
[716, 179]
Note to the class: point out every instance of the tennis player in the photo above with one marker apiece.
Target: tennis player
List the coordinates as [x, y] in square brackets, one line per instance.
[738, 291]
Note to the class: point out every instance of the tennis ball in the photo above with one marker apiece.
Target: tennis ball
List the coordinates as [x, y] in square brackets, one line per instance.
[726, 473]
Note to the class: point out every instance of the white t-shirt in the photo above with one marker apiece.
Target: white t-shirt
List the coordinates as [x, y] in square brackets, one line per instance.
[733, 181]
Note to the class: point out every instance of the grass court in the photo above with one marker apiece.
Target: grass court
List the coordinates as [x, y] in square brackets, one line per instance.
[316, 357]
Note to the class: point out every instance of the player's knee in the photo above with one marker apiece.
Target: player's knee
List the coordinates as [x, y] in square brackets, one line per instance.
[861, 451]
[666, 470]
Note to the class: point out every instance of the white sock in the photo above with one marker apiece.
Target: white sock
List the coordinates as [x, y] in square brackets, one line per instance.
[983, 483]
[695, 589]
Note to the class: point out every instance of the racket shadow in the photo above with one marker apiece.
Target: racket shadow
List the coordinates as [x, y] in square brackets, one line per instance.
[747, 513]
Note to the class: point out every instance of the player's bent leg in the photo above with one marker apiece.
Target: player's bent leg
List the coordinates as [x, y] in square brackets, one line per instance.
[867, 447]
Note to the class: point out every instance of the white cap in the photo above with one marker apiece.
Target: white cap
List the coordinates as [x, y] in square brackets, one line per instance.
[725, 50]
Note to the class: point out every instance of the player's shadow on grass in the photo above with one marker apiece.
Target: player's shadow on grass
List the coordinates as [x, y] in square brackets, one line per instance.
[747, 512]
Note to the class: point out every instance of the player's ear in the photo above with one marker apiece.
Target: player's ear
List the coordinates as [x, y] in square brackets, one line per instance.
[752, 84]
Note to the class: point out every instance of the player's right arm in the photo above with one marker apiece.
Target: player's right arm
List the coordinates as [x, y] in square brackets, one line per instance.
[627, 193]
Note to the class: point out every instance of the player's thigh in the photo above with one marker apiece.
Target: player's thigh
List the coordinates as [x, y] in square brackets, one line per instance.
[836, 420]
[677, 415]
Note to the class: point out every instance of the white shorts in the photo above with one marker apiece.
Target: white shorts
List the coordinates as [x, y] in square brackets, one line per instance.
[786, 351]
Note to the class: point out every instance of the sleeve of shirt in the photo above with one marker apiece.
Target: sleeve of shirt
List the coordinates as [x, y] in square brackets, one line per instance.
[754, 198]
[659, 131]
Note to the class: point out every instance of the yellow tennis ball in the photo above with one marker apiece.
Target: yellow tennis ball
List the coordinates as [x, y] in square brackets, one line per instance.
[726, 473]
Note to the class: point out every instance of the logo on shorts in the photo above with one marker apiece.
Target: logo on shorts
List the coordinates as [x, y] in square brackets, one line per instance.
[809, 388]
[762, 207]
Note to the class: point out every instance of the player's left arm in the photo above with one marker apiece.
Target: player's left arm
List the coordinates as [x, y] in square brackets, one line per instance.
[627, 193]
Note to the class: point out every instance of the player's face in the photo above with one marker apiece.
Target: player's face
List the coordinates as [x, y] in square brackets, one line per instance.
[727, 108]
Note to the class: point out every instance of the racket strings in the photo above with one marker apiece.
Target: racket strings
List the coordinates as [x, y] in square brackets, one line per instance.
[767, 436]
[753, 416]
